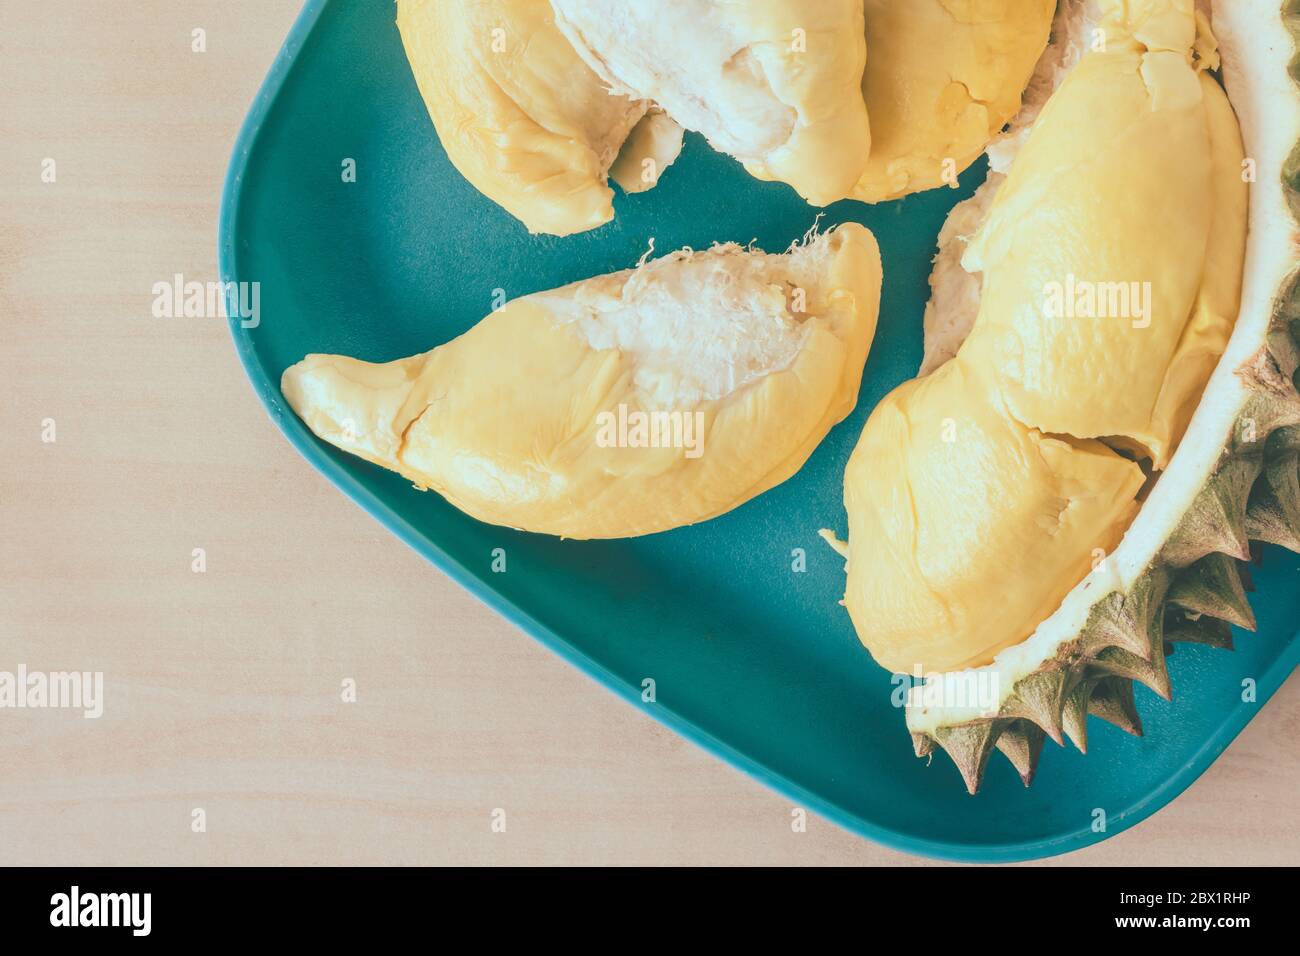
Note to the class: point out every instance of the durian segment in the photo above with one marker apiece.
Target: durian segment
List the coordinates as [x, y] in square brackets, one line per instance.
[942, 79]
[1214, 311]
[1248, 406]
[544, 415]
[950, 573]
[1075, 31]
[519, 113]
[955, 293]
[774, 83]
[1246, 412]
[1111, 257]
[1061, 208]
[947, 494]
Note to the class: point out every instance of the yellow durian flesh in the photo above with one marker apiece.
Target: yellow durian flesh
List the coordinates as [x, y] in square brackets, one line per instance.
[1121, 220]
[1131, 172]
[967, 528]
[942, 79]
[653, 145]
[519, 113]
[1215, 308]
[506, 421]
[775, 83]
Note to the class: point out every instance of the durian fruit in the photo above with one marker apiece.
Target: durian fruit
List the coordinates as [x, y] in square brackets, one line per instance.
[943, 77]
[1132, 166]
[625, 404]
[774, 83]
[523, 118]
[948, 492]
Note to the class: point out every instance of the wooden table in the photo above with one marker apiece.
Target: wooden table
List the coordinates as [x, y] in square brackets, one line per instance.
[223, 687]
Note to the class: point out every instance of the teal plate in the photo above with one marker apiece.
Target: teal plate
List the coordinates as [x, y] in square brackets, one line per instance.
[752, 660]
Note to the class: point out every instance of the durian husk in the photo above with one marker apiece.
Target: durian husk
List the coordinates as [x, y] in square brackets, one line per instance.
[1177, 576]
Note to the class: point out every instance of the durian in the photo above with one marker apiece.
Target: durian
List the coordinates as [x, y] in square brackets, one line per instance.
[625, 404]
[523, 118]
[1132, 171]
[774, 83]
[943, 78]
[539, 102]
[948, 492]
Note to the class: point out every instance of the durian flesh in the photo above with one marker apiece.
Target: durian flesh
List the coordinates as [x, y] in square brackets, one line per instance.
[1111, 257]
[1093, 630]
[543, 416]
[523, 118]
[775, 83]
[972, 526]
[942, 79]
[538, 102]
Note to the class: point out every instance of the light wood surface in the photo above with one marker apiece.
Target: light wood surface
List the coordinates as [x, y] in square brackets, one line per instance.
[223, 687]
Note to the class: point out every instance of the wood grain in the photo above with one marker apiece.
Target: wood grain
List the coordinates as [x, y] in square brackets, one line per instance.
[223, 687]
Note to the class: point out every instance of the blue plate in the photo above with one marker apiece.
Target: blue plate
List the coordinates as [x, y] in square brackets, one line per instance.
[750, 659]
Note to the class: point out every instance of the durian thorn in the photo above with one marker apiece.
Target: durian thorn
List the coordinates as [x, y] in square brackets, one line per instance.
[1128, 621]
[1153, 673]
[1213, 586]
[1022, 743]
[1216, 521]
[1040, 698]
[1202, 629]
[969, 746]
[1274, 402]
[1281, 340]
[1074, 716]
[1273, 512]
[1112, 701]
